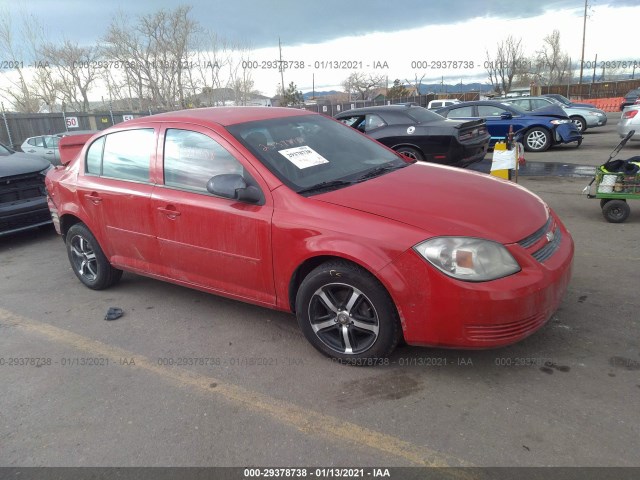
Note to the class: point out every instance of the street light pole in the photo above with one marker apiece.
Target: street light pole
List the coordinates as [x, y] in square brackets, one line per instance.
[584, 31]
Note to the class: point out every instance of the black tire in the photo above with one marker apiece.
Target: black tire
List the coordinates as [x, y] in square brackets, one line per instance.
[537, 140]
[603, 201]
[411, 153]
[579, 122]
[616, 211]
[87, 259]
[346, 314]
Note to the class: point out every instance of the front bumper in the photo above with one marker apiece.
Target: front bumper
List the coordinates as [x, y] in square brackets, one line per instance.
[437, 310]
[23, 215]
[595, 120]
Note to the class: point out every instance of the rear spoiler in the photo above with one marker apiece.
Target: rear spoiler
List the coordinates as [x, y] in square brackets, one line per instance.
[71, 145]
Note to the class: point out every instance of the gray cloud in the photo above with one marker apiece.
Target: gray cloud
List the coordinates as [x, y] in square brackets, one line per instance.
[295, 21]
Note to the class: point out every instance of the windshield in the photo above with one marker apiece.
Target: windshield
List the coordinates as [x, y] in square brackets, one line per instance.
[314, 151]
[561, 99]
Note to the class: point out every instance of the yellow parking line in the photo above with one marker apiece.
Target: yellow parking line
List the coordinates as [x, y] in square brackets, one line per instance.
[304, 419]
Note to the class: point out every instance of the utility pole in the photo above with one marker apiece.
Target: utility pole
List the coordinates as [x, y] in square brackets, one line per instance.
[281, 68]
[584, 31]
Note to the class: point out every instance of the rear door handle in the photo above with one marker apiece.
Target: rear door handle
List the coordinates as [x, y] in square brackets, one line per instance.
[93, 198]
[170, 212]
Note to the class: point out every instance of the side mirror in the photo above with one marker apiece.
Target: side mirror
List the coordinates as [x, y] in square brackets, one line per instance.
[506, 116]
[234, 186]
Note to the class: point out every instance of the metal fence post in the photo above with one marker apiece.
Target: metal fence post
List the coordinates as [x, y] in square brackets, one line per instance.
[6, 125]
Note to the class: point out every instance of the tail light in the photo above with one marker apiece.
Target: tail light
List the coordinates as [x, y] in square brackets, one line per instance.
[629, 114]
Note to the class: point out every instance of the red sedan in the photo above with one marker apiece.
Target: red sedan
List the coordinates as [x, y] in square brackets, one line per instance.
[294, 211]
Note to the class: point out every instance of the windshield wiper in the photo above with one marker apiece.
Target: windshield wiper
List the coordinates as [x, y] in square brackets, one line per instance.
[325, 186]
[377, 171]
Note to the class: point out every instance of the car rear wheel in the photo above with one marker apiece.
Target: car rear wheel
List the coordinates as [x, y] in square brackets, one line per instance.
[411, 153]
[347, 314]
[579, 122]
[87, 259]
[616, 211]
[537, 140]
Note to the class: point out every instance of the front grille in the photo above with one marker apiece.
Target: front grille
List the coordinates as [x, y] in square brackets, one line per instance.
[550, 248]
[544, 242]
[535, 236]
[506, 331]
[22, 188]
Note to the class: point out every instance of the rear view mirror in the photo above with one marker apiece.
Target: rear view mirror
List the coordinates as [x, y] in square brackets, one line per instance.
[506, 116]
[234, 186]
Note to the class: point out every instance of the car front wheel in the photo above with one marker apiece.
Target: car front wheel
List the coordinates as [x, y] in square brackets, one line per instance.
[579, 122]
[537, 140]
[347, 314]
[88, 261]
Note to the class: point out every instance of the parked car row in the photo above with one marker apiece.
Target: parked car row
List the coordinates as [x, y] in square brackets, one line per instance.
[583, 117]
[540, 129]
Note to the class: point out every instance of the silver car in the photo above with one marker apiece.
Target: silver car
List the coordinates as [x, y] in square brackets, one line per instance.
[583, 117]
[630, 120]
[46, 146]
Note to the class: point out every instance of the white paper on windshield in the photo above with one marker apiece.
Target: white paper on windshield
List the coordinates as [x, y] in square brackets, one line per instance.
[303, 157]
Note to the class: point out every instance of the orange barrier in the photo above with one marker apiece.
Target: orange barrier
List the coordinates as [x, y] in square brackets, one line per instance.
[606, 104]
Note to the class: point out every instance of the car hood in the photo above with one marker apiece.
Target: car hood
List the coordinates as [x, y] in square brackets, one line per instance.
[447, 201]
[20, 164]
[550, 111]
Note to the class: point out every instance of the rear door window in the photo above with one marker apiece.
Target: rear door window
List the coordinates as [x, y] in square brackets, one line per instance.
[122, 155]
[490, 111]
[461, 112]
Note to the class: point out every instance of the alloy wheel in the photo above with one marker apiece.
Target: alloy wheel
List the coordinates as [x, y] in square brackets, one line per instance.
[344, 318]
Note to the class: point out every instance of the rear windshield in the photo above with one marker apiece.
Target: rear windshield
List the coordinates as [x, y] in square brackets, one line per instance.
[303, 151]
[422, 115]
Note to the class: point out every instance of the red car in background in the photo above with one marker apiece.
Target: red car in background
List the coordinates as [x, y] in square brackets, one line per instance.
[294, 211]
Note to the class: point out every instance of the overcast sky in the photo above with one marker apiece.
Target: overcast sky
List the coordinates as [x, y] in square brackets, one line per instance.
[369, 31]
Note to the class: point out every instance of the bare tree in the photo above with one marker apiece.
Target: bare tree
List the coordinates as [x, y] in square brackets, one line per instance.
[551, 63]
[214, 57]
[77, 71]
[361, 84]
[417, 84]
[508, 61]
[16, 47]
[154, 54]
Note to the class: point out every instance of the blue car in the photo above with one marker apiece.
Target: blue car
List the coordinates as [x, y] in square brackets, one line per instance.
[540, 129]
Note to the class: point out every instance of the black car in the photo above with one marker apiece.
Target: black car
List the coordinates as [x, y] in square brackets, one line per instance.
[421, 134]
[630, 98]
[23, 197]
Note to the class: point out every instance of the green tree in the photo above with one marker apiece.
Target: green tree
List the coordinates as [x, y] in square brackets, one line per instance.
[398, 90]
[292, 96]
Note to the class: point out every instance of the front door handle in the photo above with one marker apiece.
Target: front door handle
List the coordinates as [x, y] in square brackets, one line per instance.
[170, 212]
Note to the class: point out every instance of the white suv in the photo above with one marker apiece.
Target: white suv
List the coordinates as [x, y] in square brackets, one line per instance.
[443, 102]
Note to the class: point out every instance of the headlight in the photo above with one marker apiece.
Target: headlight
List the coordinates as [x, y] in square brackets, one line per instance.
[594, 113]
[560, 122]
[470, 259]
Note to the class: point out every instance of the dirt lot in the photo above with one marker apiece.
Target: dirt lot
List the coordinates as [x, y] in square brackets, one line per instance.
[190, 379]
